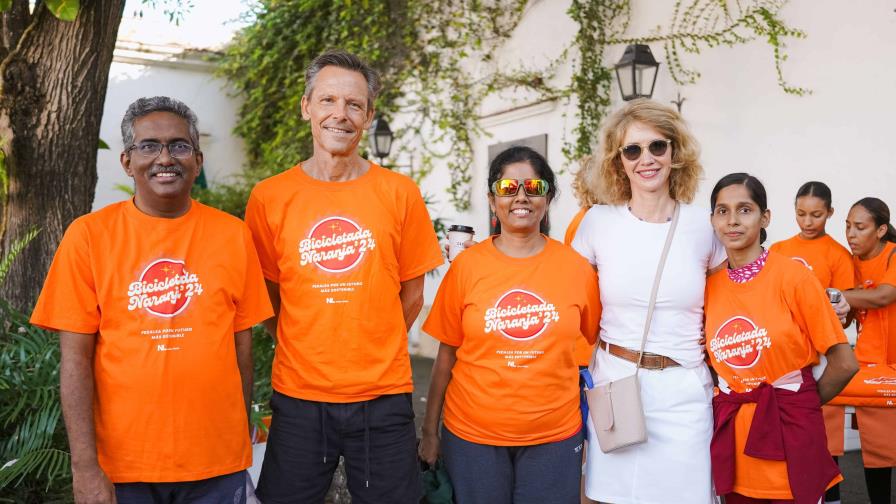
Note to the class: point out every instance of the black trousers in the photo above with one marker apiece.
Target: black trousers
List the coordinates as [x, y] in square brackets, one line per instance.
[377, 439]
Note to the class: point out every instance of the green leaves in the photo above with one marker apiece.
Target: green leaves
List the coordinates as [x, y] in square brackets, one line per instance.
[14, 250]
[34, 465]
[66, 10]
[5, 5]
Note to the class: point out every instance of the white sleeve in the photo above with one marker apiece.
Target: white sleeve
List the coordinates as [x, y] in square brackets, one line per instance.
[583, 242]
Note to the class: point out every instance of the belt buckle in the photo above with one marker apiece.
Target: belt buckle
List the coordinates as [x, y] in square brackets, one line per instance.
[655, 367]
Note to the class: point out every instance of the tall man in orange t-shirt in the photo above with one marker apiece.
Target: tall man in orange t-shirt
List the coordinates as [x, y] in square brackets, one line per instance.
[154, 299]
[344, 245]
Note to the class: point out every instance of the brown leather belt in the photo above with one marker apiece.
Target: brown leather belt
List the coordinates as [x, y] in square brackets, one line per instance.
[649, 361]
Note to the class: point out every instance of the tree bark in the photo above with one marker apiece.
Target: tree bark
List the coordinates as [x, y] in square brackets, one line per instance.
[52, 89]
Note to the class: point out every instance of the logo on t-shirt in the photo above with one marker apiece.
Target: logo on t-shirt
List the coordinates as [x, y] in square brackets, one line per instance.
[881, 380]
[335, 244]
[739, 343]
[520, 315]
[165, 288]
[802, 261]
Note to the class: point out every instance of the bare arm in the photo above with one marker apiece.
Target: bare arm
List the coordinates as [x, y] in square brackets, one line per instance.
[878, 297]
[76, 384]
[411, 296]
[243, 342]
[441, 375]
[274, 293]
[842, 366]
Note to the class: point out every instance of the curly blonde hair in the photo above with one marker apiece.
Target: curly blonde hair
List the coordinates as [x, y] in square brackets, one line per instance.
[584, 182]
[612, 184]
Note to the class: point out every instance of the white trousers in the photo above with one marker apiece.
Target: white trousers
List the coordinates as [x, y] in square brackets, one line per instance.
[673, 466]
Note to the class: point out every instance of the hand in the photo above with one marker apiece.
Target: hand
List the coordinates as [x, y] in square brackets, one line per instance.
[428, 450]
[92, 486]
[841, 308]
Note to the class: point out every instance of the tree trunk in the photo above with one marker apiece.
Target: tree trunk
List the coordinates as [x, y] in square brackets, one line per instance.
[52, 88]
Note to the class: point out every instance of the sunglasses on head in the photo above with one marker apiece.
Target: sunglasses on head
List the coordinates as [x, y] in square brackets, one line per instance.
[510, 187]
[633, 151]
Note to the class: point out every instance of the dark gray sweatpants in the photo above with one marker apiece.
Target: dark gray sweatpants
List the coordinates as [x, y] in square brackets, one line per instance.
[536, 474]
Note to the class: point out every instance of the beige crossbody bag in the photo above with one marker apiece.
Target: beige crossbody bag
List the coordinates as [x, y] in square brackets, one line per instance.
[615, 408]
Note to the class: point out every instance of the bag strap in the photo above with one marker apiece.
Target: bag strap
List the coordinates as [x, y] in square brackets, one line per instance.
[656, 283]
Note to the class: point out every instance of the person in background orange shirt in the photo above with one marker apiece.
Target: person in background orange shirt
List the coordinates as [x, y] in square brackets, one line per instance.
[767, 321]
[154, 299]
[871, 238]
[508, 314]
[831, 263]
[582, 186]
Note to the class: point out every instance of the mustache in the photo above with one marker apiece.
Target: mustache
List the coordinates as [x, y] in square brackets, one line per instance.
[157, 169]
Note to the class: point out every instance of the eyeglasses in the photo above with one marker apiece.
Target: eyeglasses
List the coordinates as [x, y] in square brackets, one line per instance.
[178, 150]
[633, 151]
[510, 187]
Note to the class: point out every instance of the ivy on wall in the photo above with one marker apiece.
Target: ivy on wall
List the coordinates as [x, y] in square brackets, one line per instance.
[437, 59]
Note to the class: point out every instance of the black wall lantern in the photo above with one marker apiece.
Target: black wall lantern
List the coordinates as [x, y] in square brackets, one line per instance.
[380, 137]
[636, 72]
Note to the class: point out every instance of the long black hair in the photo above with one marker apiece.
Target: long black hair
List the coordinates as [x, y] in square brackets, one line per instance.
[523, 154]
[754, 187]
[815, 188]
[880, 212]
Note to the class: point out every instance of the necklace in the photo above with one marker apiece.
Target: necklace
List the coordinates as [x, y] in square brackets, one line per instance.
[629, 206]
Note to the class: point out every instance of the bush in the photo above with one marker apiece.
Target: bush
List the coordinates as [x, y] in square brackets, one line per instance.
[34, 447]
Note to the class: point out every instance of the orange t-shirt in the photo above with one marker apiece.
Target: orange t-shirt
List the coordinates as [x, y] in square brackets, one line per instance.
[584, 350]
[515, 322]
[829, 261]
[339, 251]
[876, 342]
[164, 297]
[757, 332]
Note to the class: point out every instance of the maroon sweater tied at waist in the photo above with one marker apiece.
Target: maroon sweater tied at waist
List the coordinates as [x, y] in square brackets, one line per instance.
[786, 426]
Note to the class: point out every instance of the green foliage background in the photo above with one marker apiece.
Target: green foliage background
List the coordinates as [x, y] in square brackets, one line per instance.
[438, 65]
[266, 63]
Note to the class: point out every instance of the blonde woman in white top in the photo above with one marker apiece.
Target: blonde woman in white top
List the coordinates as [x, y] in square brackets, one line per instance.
[649, 163]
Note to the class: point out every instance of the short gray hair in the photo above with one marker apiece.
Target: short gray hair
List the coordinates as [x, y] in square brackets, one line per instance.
[145, 106]
[348, 61]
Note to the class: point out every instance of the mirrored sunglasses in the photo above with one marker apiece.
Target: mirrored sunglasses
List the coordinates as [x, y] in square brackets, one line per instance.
[510, 187]
[633, 151]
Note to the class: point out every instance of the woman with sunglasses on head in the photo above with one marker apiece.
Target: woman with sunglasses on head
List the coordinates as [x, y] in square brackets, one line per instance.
[647, 170]
[831, 263]
[508, 314]
[582, 186]
[767, 321]
[871, 238]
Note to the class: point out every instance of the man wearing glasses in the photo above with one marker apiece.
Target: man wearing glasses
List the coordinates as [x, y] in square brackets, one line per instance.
[344, 245]
[154, 299]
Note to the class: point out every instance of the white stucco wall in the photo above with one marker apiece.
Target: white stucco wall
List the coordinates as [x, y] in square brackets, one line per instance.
[133, 76]
[840, 134]
[743, 120]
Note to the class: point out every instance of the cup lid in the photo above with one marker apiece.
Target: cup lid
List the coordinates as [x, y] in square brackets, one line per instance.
[461, 228]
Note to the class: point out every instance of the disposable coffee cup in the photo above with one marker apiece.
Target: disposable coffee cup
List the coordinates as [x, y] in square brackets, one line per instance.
[457, 235]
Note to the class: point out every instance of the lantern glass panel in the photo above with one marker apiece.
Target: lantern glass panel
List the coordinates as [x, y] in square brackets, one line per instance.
[644, 78]
[382, 144]
[626, 86]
